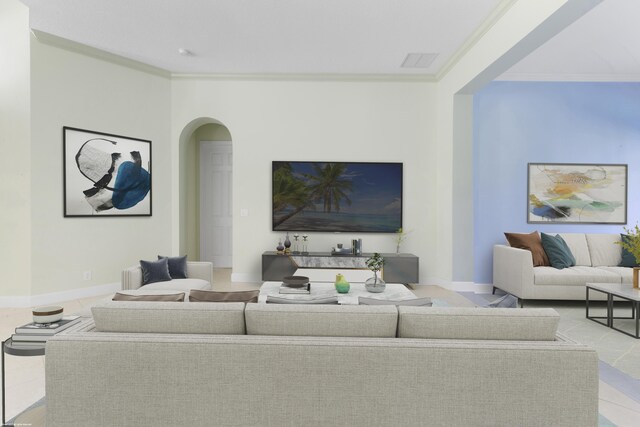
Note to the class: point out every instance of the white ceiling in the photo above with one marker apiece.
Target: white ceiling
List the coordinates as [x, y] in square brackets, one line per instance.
[604, 44]
[333, 36]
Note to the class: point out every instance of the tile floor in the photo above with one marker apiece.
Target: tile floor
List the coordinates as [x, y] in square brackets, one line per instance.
[25, 375]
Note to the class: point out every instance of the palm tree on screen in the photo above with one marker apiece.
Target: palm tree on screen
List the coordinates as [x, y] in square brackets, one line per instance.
[328, 184]
[288, 191]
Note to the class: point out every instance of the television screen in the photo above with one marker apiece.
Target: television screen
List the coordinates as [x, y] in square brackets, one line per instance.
[337, 196]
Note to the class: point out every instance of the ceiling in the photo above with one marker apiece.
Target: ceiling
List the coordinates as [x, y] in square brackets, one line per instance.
[333, 36]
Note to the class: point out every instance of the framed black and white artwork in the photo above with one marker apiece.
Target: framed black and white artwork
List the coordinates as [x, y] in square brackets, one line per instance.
[105, 174]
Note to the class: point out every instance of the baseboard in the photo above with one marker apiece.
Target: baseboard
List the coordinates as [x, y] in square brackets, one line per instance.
[244, 277]
[55, 297]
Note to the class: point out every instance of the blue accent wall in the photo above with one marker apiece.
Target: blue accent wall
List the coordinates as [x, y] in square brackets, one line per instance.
[516, 123]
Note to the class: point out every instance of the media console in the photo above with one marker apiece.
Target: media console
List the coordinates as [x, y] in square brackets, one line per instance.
[398, 268]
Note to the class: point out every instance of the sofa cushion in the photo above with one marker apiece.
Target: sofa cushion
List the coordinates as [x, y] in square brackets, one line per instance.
[321, 320]
[183, 285]
[530, 242]
[572, 276]
[557, 251]
[198, 295]
[177, 266]
[155, 271]
[169, 317]
[625, 273]
[175, 297]
[577, 243]
[525, 324]
[603, 249]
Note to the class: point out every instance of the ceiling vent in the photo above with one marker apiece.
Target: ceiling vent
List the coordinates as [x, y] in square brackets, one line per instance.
[419, 60]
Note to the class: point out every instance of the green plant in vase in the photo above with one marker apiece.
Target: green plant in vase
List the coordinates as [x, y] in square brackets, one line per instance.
[375, 284]
[631, 243]
[400, 237]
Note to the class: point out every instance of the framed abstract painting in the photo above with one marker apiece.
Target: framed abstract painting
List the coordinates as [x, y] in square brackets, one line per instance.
[105, 174]
[577, 193]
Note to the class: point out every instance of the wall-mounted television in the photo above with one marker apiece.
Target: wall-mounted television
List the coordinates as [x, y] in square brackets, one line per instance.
[337, 196]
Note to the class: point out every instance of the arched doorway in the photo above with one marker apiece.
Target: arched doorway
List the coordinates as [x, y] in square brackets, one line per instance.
[200, 136]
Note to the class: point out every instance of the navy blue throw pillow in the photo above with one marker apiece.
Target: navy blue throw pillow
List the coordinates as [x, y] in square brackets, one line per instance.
[558, 252]
[155, 271]
[177, 266]
[628, 260]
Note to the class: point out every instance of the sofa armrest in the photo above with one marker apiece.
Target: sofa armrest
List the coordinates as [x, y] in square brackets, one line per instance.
[200, 270]
[513, 270]
[132, 276]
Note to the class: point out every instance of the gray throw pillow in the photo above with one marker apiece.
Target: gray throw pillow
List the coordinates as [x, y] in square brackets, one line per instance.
[197, 295]
[416, 302]
[177, 266]
[155, 271]
[179, 297]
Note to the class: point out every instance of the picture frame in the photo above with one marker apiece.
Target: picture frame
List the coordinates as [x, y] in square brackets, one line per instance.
[576, 193]
[105, 175]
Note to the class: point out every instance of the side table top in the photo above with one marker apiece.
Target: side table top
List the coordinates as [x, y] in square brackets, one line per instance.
[16, 349]
[625, 290]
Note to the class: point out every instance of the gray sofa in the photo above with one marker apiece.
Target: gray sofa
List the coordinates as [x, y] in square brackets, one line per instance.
[597, 258]
[153, 364]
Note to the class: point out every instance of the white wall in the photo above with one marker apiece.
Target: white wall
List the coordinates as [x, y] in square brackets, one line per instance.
[314, 120]
[73, 89]
[524, 27]
[15, 232]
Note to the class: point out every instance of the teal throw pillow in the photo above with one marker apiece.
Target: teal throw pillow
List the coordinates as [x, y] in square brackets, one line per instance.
[558, 252]
[628, 260]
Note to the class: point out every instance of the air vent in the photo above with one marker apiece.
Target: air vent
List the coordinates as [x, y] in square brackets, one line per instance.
[419, 60]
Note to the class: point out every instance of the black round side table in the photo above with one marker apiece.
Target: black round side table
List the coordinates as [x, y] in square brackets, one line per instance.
[15, 349]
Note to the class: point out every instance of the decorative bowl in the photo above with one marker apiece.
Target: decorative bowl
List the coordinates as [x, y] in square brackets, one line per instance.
[295, 281]
[48, 314]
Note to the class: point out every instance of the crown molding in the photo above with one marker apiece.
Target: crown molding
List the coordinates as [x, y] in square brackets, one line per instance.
[569, 77]
[407, 78]
[475, 37]
[70, 45]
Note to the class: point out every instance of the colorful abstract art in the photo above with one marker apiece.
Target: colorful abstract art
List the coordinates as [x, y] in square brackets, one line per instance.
[577, 193]
[105, 174]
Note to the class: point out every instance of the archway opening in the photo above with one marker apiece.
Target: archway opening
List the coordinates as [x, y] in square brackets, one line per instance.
[207, 131]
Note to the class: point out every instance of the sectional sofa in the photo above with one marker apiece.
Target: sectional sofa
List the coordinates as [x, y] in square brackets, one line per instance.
[597, 258]
[199, 276]
[154, 363]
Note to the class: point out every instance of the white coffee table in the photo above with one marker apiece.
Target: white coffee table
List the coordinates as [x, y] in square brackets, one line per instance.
[623, 291]
[393, 291]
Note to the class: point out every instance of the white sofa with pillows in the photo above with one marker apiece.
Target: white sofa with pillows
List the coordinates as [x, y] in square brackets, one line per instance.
[167, 274]
[231, 364]
[597, 260]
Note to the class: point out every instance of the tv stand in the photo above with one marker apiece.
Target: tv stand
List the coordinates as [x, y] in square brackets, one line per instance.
[398, 268]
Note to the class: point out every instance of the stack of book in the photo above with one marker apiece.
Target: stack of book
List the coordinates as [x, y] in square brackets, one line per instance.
[287, 289]
[36, 334]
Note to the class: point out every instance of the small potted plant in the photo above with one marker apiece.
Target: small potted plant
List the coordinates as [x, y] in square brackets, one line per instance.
[400, 236]
[631, 242]
[375, 284]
